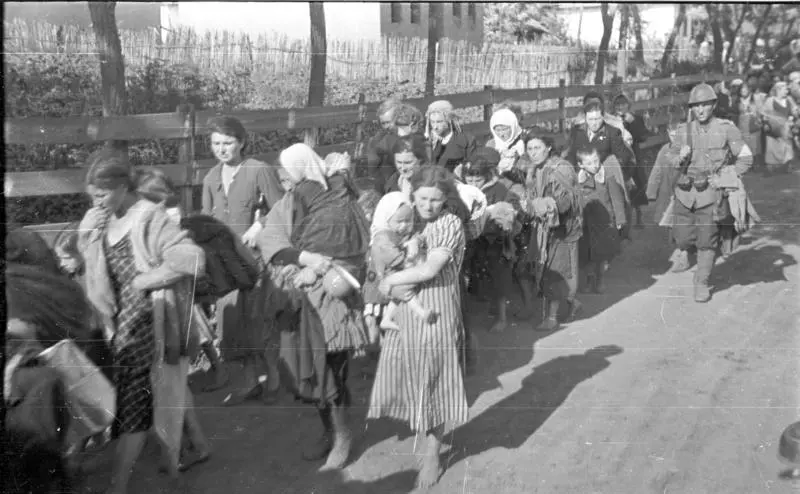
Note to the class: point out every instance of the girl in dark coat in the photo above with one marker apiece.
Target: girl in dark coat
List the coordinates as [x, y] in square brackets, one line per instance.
[494, 255]
[603, 217]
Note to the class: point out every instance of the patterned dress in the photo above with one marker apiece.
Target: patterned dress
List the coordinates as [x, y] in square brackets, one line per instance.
[133, 345]
[419, 378]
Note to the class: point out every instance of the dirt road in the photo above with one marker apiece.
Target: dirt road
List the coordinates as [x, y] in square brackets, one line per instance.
[648, 393]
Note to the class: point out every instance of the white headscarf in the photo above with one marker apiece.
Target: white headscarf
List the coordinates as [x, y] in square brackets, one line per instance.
[301, 162]
[387, 206]
[506, 117]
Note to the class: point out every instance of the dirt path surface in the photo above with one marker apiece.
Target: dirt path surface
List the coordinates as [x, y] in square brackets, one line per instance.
[648, 392]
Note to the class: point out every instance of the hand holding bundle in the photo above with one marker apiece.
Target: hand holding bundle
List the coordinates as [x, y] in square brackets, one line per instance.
[502, 214]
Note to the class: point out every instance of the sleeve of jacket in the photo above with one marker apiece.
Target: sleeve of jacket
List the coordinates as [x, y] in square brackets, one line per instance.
[742, 154]
[269, 183]
[208, 198]
[622, 152]
[617, 194]
[657, 173]
[572, 146]
[471, 147]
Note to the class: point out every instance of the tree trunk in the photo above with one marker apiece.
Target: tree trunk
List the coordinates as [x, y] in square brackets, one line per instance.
[763, 20]
[716, 33]
[622, 44]
[112, 64]
[319, 54]
[638, 51]
[670, 46]
[732, 35]
[434, 31]
[602, 51]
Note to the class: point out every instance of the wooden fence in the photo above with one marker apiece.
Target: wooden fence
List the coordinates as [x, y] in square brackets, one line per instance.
[185, 124]
[393, 59]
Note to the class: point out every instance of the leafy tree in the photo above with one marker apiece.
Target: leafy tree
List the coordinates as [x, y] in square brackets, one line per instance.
[520, 22]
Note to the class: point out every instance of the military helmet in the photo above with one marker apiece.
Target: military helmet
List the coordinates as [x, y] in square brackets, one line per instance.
[702, 93]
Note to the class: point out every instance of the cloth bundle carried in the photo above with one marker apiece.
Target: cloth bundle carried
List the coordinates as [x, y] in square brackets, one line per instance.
[90, 396]
[503, 214]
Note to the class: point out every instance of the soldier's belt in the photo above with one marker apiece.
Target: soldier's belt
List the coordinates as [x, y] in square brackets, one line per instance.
[686, 183]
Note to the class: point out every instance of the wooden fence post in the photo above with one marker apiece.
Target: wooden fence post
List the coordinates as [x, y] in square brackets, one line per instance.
[487, 109]
[359, 154]
[562, 113]
[186, 155]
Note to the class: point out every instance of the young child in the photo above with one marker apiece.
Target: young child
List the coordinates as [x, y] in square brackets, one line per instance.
[374, 300]
[603, 216]
[394, 247]
[494, 250]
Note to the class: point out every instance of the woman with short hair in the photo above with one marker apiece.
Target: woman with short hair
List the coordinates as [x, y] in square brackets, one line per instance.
[140, 271]
[232, 192]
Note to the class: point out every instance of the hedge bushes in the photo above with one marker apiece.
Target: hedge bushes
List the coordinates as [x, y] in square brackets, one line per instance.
[61, 85]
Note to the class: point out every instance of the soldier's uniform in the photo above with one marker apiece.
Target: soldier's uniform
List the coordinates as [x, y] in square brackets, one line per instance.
[699, 206]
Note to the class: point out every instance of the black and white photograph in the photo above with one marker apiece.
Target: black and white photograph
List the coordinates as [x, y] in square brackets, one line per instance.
[401, 247]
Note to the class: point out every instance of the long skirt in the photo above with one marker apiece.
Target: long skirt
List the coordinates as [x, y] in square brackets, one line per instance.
[241, 320]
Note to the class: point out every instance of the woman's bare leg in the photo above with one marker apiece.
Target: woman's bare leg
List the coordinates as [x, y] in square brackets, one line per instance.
[220, 372]
[128, 450]
[502, 316]
[431, 464]
[342, 439]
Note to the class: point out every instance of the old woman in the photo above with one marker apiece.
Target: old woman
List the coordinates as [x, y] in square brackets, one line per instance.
[449, 145]
[317, 224]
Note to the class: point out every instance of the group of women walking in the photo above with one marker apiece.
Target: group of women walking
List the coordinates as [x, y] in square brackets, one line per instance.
[766, 108]
[317, 269]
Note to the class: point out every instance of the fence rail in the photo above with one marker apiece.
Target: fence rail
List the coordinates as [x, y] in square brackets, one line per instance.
[185, 123]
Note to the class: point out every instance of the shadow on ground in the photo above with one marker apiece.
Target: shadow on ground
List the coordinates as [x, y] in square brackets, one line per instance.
[762, 264]
[510, 422]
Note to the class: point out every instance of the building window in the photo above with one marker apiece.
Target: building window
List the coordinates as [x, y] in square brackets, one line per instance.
[397, 13]
[457, 10]
[415, 13]
[471, 13]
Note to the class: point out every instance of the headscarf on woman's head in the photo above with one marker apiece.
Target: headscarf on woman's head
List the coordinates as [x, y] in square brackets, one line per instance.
[301, 162]
[446, 109]
[387, 206]
[504, 117]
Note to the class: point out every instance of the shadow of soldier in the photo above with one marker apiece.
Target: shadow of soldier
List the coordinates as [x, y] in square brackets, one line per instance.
[759, 264]
[513, 420]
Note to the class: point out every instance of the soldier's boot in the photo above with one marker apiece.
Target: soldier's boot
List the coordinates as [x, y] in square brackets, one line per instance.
[680, 261]
[705, 261]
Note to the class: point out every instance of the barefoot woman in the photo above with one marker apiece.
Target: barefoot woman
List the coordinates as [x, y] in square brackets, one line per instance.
[419, 379]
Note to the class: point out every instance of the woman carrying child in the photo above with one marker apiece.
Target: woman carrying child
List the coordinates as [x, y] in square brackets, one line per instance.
[419, 379]
[555, 204]
[316, 225]
[394, 247]
[603, 216]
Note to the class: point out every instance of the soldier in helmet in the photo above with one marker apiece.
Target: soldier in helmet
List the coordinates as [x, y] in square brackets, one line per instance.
[705, 146]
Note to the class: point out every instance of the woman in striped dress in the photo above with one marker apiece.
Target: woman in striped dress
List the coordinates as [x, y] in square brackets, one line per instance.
[419, 378]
